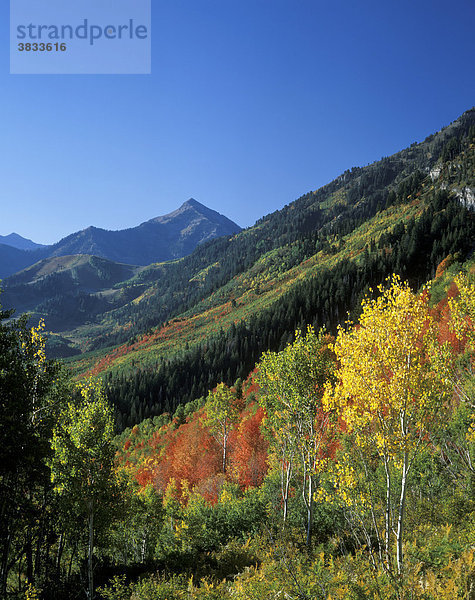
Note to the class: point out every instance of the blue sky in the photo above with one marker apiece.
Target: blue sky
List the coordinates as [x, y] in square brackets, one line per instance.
[251, 103]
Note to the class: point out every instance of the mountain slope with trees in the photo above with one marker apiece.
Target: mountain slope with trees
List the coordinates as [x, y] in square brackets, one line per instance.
[69, 290]
[247, 294]
[274, 250]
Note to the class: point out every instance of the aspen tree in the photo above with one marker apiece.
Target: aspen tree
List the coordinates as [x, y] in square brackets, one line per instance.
[292, 385]
[82, 464]
[391, 386]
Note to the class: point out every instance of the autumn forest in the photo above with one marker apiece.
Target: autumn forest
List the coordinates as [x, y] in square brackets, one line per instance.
[286, 412]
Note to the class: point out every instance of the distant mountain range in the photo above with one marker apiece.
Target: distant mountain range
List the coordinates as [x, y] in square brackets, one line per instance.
[164, 238]
[17, 241]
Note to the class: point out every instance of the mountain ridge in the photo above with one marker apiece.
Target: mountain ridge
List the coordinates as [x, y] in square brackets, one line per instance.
[165, 237]
[19, 242]
[209, 317]
[372, 219]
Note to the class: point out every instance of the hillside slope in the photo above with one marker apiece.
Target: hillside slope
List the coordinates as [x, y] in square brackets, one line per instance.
[233, 298]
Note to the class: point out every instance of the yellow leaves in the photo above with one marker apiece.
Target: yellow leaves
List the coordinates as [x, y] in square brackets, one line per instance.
[33, 344]
[462, 310]
[471, 432]
[90, 389]
[386, 373]
[345, 482]
[180, 526]
[391, 385]
[38, 342]
[225, 497]
[452, 581]
[31, 592]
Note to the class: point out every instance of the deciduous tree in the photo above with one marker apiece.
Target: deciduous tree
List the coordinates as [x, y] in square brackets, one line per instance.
[292, 383]
[82, 464]
[27, 407]
[222, 413]
[391, 387]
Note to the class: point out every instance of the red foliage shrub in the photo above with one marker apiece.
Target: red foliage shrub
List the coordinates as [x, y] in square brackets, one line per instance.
[192, 455]
[248, 458]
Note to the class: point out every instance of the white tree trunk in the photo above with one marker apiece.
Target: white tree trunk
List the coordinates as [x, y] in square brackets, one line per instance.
[400, 521]
[402, 499]
[387, 516]
[286, 487]
[309, 510]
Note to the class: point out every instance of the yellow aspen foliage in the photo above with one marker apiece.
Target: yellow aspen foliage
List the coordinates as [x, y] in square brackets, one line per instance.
[462, 320]
[31, 593]
[38, 342]
[392, 383]
[462, 309]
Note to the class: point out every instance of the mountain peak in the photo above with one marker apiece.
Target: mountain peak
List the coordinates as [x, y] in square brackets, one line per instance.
[194, 203]
[17, 241]
[164, 238]
[198, 211]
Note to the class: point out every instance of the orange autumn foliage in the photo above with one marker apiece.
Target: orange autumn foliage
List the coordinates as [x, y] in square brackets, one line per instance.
[192, 456]
[249, 458]
[443, 265]
[189, 455]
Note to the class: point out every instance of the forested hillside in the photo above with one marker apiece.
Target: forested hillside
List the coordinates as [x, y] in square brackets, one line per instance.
[286, 238]
[341, 468]
[312, 262]
[243, 368]
[223, 270]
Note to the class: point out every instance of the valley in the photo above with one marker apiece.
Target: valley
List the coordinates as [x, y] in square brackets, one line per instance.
[265, 404]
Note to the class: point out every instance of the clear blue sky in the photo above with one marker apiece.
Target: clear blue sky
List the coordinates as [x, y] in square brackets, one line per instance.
[251, 103]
